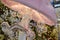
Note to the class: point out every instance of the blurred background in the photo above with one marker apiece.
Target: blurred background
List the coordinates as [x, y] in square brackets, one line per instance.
[56, 5]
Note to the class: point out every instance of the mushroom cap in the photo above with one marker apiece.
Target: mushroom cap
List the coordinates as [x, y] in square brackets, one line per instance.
[42, 6]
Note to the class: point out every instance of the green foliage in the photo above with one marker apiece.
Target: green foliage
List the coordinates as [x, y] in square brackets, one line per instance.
[51, 33]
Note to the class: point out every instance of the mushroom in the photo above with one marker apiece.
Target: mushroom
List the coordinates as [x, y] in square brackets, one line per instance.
[39, 11]
[46, 12]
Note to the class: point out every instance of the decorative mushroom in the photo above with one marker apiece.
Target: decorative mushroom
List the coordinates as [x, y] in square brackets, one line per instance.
[46, 11]
[40, 11]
